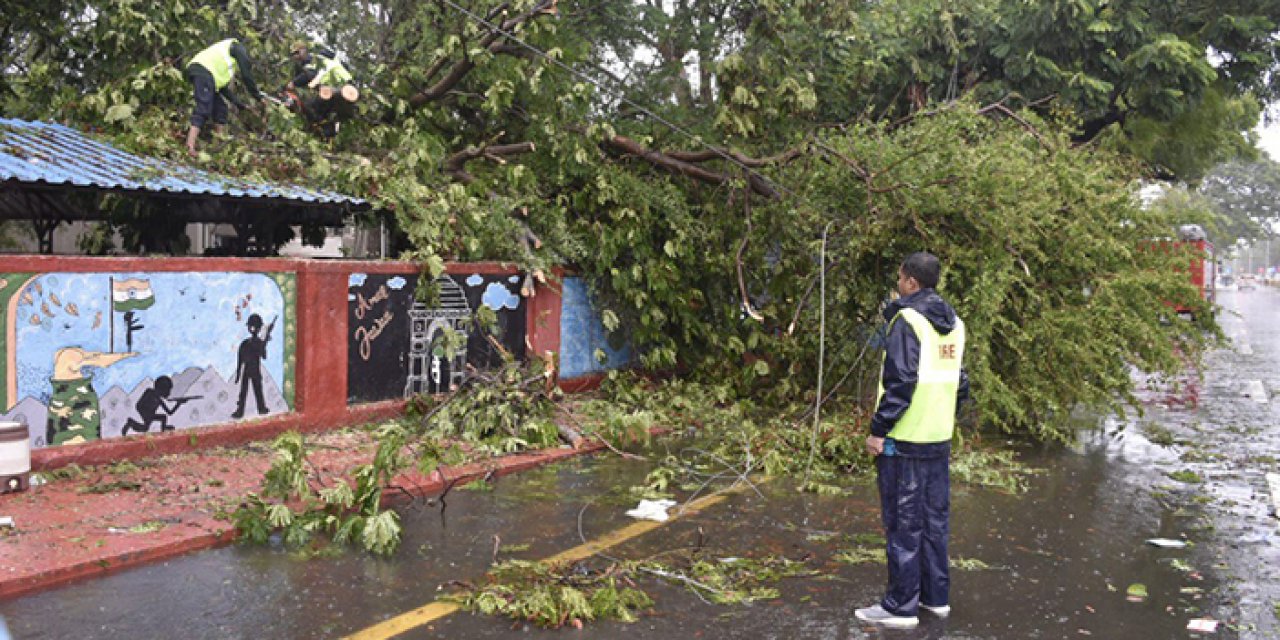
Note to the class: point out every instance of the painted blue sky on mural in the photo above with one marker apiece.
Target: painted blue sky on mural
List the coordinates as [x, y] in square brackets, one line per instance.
[497, 297]
[197, 320]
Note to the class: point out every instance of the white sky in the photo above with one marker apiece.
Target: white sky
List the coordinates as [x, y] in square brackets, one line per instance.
[1269, 139]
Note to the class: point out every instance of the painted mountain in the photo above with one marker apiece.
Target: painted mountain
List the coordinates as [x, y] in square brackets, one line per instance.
[213, 401]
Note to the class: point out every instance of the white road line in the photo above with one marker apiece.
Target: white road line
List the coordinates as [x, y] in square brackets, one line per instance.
[1273, 480]
[1254, 389]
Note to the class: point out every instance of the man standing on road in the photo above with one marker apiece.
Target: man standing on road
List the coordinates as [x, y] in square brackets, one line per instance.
[211, 72]
[921, 382]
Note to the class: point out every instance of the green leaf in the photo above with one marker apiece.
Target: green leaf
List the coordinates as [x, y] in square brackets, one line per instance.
[119, 113]
[609, 319]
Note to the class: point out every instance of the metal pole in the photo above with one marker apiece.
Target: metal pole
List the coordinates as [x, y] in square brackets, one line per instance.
[111, 311]
[1266, 266]
[382, 239]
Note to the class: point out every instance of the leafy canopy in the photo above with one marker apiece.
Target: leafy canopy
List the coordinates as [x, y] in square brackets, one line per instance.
[689, 166]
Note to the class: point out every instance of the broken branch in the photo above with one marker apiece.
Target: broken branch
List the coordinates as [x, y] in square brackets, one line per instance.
[456, 165]
[669, 162]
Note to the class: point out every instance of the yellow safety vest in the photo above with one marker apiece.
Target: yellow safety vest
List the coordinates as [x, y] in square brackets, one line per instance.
[931, 416]
[331, 72]
[217, 59]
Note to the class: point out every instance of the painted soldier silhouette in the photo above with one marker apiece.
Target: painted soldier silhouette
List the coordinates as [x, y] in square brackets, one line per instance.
[152, 407]
[253, 350]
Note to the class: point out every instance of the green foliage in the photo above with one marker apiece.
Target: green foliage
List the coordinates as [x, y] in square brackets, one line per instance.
[861, 555]
[551, 596]
[491, 414]
[996, 469]
[1244, 195]
[301, 507]
[1159, 434]
[949, 125]
[554, 595]
[960, 563]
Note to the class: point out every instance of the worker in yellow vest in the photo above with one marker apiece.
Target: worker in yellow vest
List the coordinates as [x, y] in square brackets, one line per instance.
[332, 96]
[211, 72]
[921, 383]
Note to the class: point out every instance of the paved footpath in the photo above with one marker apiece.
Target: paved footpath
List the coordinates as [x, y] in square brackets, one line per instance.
[87, 522]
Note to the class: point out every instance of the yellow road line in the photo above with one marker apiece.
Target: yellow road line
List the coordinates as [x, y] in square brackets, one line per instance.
[436, 610]
[406, 621]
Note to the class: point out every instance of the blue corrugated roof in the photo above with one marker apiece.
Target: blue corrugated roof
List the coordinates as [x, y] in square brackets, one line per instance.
[41, 152]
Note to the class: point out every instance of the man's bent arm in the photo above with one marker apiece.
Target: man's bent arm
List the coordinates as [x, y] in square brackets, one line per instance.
[901, 372]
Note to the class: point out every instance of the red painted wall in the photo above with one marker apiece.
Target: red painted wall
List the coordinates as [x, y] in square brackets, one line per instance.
[321, 354]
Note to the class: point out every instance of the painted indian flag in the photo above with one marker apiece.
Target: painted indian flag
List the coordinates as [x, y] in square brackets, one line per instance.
[132, 295]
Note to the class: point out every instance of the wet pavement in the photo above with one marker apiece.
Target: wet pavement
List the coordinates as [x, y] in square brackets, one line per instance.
[1061, 556]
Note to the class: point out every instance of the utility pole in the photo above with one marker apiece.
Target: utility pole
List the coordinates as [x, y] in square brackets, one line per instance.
[1266, 265]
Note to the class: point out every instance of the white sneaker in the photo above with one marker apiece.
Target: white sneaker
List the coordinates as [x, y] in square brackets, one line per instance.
[877, 615]
[942, 611]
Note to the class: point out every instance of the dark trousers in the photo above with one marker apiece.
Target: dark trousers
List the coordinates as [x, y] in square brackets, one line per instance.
[245, 381]
[915, 505]
[209, 103]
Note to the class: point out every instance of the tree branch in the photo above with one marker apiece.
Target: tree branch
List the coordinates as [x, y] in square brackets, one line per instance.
[492, 42]
[672, 164]
[456, 165]
[738, 156]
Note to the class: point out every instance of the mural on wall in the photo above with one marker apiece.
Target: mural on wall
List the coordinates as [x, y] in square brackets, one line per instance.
[100, 355]
[585, 346]
[395, 348]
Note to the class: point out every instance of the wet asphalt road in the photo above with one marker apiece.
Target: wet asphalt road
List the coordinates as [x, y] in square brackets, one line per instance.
[1062, 554]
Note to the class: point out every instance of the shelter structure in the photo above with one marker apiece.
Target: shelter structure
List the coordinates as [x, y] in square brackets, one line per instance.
[51, 174]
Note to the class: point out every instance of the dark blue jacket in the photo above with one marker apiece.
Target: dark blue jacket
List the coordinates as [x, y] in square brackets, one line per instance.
[902, 359]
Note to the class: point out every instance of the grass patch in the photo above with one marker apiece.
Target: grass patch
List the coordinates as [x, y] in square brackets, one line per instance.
[1186, 475]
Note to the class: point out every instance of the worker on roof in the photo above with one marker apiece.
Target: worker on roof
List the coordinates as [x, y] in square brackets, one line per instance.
[211, 72]
[333, 97]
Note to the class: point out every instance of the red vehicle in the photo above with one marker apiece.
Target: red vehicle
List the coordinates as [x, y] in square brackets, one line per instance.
[1204, 267]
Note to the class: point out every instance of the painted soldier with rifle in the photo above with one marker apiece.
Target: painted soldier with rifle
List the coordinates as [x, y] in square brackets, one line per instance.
[253, 350]
[155, 405]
